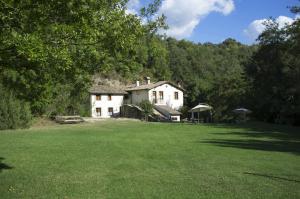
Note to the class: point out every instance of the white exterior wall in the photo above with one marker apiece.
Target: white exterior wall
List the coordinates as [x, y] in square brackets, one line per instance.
[169, 98]
[116, 102]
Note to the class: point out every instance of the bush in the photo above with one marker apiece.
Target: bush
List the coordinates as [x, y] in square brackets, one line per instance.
[184, 110]
[147, 108]
[14, 113]
[69, 101]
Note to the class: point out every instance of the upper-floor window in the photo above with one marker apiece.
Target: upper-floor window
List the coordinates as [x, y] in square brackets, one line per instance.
[161, 95]
[98, 97]
[109, 97]
[176, 95]
[154, 97]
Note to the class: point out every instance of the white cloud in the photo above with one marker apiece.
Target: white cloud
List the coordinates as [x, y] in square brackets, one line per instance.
[133, 6]
[255, 28]
[284, 21]
[184, 15]
[258, 26]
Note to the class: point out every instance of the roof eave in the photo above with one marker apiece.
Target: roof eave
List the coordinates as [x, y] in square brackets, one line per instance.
[110, 93]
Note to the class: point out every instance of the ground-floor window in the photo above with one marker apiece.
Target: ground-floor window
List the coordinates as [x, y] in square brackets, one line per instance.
[110, 111]
[98, 111]
[174, 118]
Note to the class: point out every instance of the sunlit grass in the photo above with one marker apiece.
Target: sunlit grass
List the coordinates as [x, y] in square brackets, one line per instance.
[129, 159]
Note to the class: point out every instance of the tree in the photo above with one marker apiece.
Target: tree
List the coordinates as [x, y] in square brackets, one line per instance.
[47, 43]
[274, 71]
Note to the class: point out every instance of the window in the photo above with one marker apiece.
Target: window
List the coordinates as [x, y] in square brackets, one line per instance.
[110, 111]
[161, 95]
[98, 111]
[176, 95]
[98, 97]
[109, 97]
[154, 97]
[174, 118]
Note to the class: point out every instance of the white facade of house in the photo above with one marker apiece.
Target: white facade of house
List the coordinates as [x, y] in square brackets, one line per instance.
[107, 106]
[168, 97]
[161, 93]
[154, 96]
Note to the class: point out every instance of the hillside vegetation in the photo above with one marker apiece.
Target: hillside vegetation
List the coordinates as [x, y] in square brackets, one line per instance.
[50, 50]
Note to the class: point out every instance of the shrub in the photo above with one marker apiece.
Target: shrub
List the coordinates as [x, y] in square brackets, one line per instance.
[69, 101]
[14, 113]
[147, 108]
[184, 110]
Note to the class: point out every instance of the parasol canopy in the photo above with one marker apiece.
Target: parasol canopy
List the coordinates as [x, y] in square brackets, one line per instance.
[242, 110]
[200, 108]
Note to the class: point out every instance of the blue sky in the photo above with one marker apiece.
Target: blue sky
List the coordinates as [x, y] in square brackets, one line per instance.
[215, 20]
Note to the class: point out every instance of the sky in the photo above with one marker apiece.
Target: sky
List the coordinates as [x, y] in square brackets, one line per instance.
[216, 20]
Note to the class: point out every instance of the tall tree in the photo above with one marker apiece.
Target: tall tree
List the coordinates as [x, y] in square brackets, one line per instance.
[45, 43]
[275, 72]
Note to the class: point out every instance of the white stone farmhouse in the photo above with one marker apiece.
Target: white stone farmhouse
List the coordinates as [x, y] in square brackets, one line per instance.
[167, 98]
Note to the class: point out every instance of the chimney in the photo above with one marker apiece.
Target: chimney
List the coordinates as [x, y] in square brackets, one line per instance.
[179, 84]
[137, 83]
[148, 80]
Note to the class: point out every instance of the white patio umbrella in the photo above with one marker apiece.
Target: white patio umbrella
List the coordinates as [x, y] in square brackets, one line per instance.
[199, 108]
[243, 112]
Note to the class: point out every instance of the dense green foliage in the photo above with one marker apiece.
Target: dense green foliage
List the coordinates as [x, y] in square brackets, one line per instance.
[14, 113]
[45, 44]
[211, 73]
[275, 74]
[150, 160]
[49, 51]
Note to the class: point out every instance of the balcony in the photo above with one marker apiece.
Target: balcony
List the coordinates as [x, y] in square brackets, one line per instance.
[158, 101]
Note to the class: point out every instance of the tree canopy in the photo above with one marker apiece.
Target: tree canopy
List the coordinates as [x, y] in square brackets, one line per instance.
[49, 51]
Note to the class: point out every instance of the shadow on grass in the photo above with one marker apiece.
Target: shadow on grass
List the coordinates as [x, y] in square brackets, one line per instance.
[3, 165]
[284, 136]
[263, 145]
[258, 136]
[271, 177]
[262, 130]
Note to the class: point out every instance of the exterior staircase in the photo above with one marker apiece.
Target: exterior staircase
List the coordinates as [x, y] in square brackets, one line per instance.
[159, 117]
[161, 113]
[166, 113]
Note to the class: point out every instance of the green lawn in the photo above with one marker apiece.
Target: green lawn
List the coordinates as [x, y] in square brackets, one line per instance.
[130, 159]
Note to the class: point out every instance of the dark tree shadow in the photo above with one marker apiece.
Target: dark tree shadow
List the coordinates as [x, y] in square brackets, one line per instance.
[263, 145]
[272, 177]
[263, 134]
[261, 130]
[258, 136]
[3, 165]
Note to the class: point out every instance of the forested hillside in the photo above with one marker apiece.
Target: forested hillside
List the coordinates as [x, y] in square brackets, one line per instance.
[50, 50]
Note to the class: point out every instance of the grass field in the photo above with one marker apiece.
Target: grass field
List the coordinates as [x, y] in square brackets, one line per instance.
[130, 159]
